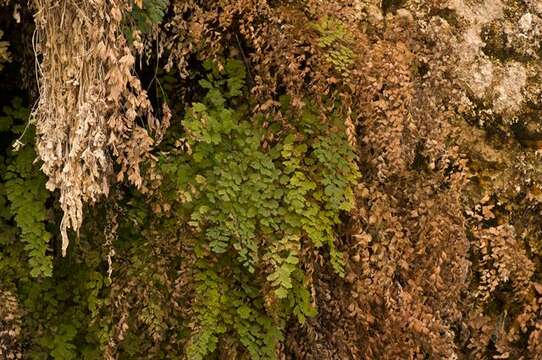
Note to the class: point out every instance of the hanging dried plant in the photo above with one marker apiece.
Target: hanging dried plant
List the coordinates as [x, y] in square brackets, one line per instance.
[90, 102]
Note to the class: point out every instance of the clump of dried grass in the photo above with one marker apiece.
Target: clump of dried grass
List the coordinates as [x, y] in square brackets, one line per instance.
[91, 102]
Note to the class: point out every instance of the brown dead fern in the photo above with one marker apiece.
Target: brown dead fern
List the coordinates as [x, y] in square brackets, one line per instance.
[90, 102]
[10, 326]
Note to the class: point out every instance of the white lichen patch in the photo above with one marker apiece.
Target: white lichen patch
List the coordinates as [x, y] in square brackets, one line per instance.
[475, 69]
[496, 76]
[526, 22]
[508, 97]
[481, 77]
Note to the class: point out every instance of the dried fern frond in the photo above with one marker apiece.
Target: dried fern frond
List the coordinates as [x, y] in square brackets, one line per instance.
[90, 101]
[4, 53]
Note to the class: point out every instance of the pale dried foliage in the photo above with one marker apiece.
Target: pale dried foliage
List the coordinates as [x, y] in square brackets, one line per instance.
[502, 260]
[505, 274]
[10, 326]
[90, 102]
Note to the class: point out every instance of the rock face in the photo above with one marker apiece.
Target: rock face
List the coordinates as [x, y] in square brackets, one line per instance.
[446, 242]
[500, 55]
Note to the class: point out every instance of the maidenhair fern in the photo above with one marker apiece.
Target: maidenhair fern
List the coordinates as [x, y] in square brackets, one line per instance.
[147, 13]
[253, 208]
[335, 40]
[24, 187]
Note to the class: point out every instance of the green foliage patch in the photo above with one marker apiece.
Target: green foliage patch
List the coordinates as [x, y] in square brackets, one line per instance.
[151, 13]
[251, 196]
[253, 207]
[336, 40]
[24, 189]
